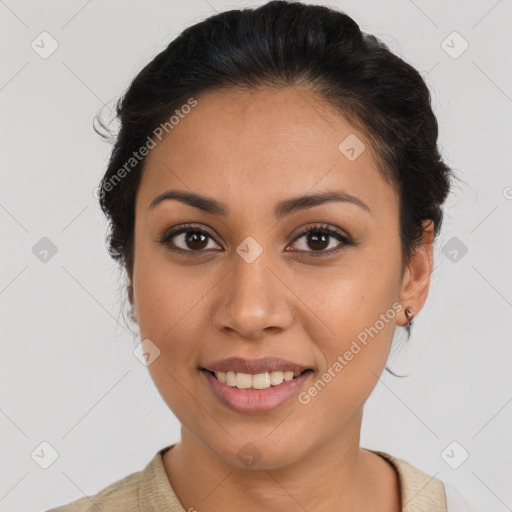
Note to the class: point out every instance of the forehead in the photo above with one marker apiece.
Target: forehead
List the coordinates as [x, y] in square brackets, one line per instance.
[249, 147]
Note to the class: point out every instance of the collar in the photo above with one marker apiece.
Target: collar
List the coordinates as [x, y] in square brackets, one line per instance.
[420, 492]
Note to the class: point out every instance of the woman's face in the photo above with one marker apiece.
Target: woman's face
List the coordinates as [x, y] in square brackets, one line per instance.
[254, 278]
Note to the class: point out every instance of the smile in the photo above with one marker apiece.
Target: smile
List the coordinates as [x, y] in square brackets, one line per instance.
[251, 399]
[255, 381]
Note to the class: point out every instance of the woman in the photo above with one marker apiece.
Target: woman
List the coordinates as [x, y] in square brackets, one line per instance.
[274, 194]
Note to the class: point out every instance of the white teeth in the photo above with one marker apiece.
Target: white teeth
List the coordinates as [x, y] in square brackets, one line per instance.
[255, 381]
[261, 380]
[276, 378]
[231, 379]
[243, 380]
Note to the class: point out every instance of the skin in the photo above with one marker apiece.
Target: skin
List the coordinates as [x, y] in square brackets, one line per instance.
[251, 150]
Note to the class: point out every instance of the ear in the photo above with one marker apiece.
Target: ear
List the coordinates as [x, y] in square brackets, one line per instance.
[416, 279]
[130, 291]
[133, 314]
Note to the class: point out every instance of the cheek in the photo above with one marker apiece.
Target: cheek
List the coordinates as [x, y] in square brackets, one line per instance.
[170, 315]
[348, 297]
[354, 357]
[165, 294]
[173, 312]
[359, 305]
[170, 309]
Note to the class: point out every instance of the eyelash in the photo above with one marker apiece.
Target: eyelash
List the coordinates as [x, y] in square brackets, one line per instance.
[319, 228]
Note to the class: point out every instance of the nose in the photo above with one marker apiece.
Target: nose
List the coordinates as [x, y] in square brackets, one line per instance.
[254, 301]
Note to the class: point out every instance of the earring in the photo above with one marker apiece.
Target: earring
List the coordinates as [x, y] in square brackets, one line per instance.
[409, 313]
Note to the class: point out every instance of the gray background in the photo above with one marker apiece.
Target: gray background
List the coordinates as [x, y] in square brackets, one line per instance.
[68, 373]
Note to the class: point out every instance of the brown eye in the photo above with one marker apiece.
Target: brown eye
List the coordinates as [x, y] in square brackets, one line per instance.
[195, 240]
[321, 240]
[317, 241]
[188, 239]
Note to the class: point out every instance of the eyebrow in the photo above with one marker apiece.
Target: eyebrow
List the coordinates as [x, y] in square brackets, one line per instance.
[282, 209]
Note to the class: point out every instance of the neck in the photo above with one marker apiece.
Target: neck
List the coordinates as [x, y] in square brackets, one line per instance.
[335, 475]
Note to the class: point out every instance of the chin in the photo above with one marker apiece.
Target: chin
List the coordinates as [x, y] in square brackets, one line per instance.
[257, 452]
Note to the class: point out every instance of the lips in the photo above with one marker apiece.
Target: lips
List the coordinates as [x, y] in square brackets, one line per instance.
[254, 400]
[254, 366]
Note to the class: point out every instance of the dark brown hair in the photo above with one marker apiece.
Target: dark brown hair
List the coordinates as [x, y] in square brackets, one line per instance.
[276, 45]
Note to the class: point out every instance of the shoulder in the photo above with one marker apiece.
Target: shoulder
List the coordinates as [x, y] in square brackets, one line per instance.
[146, 490]
[423, 492]
[419, 490]
[120, 495]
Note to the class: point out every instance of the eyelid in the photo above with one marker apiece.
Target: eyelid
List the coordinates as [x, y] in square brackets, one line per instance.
[320, 227]
[329, 230]
[183, 228]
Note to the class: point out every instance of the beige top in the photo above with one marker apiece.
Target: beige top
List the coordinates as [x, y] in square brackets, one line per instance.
[149, 490]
